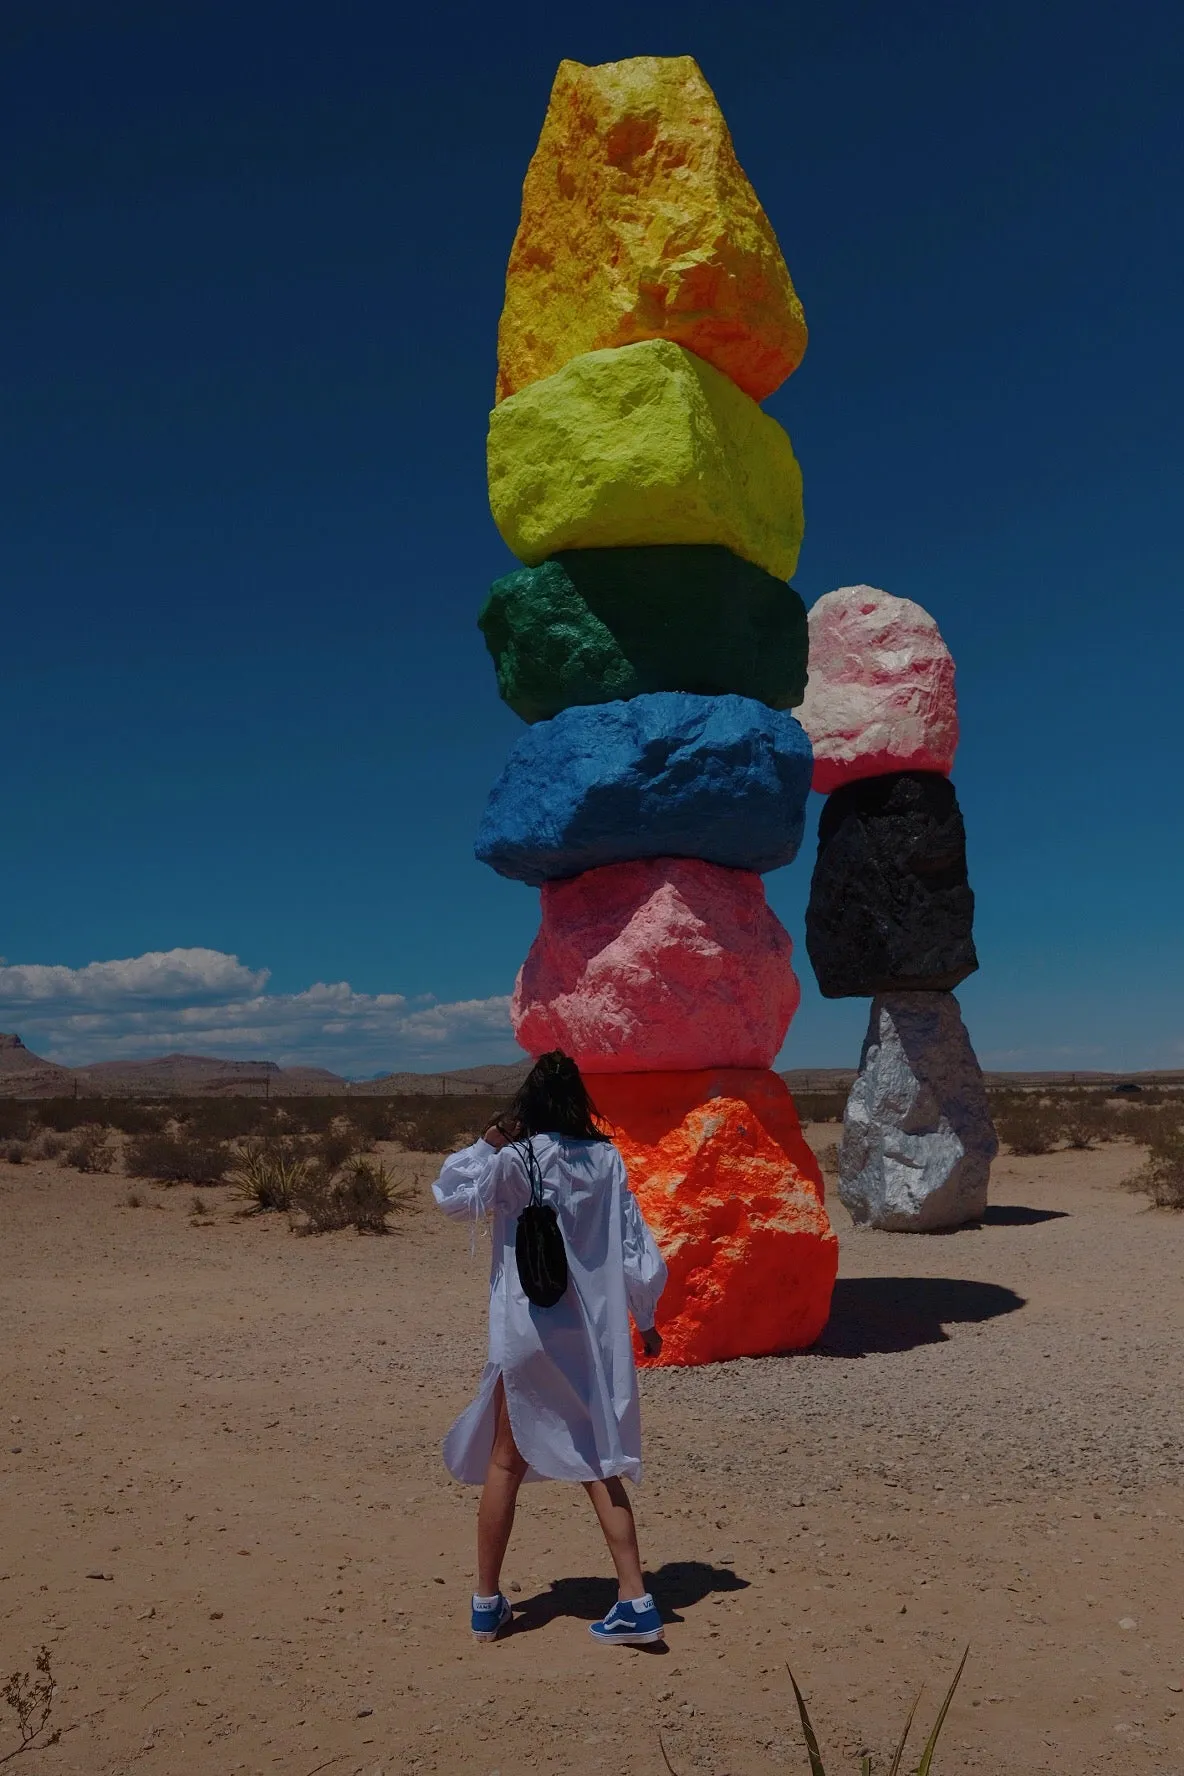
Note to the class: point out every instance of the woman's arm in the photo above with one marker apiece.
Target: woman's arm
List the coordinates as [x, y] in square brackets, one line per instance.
[645, 1268]
[463, 1187]
[481, 1178]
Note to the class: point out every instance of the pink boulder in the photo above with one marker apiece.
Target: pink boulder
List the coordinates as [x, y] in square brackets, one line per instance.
[880, 695]
[667, 964]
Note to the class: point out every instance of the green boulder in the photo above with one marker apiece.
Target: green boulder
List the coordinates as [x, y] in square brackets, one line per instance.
[597, 625]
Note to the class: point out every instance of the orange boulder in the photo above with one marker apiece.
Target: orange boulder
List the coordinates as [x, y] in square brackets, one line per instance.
[734, 1196]
[638, 222]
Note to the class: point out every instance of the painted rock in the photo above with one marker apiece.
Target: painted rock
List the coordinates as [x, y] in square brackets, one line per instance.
[593, 625]
[667, 775]
[667, 964]
[891, 909]
[881, 692]
[918, 1139]
[645, 444]
[734, 1197]
[638, 223]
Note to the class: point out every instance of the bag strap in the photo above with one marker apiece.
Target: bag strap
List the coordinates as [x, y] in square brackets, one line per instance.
[534, 1171]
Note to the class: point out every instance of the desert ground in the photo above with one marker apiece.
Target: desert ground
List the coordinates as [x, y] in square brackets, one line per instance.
[225, 1514]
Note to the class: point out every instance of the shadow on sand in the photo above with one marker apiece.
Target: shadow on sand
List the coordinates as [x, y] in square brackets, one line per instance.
[1012, 1215]
[875, 1315]
[678, 1585]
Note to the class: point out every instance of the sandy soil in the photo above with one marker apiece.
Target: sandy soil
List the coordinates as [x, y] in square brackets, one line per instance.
[238, 1430]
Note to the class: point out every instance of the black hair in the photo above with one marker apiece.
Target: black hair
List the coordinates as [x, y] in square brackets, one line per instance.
[553, 1100]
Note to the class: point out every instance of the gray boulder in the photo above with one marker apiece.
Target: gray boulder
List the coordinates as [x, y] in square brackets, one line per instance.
[918, 1139]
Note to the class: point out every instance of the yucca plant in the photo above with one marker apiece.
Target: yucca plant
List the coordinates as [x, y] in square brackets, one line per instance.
[268, 1174]
[894, 1769]
[361, 1197]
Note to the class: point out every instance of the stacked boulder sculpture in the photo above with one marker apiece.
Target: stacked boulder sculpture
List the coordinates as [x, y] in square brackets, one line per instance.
[891, 911]
[653, 644]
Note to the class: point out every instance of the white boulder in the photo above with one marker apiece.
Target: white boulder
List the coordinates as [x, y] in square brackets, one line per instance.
[918, 1139]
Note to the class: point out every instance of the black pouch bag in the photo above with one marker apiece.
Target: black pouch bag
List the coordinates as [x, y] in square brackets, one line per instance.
[538, 1242]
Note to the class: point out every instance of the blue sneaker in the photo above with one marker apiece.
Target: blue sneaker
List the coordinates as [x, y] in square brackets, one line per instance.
[629, 1624]
[490, 1618]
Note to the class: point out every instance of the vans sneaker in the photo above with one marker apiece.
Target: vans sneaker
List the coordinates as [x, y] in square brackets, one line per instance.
[629, 1624]
[489, 1618]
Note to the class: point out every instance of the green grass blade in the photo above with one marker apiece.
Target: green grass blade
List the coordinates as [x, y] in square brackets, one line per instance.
[865, 1766]
[931, 1743]
[815, 1755]
[904, 1737]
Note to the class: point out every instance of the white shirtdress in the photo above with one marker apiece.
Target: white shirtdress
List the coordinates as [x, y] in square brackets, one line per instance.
[570, 1380]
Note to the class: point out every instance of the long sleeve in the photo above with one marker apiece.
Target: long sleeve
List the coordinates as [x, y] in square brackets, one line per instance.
[645, 1268]
[479, 1179]
[463, 1188]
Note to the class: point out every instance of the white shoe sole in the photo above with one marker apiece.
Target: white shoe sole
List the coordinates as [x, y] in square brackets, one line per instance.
[642, 1639]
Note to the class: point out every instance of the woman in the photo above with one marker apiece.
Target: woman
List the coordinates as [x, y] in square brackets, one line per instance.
[558, 1398]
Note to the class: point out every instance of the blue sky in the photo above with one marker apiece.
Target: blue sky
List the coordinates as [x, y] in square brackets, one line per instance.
[253, 274]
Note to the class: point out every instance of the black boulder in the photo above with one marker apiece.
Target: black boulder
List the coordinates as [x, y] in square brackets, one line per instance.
[891, 909]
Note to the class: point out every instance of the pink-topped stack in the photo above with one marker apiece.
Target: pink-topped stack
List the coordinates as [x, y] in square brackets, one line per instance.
[881, 693]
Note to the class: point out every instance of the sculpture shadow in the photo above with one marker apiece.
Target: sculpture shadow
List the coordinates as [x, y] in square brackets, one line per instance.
[677, 1586]
[872, 1316]
[1013, 1215]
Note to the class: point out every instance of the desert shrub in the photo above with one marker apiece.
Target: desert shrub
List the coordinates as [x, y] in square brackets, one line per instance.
[1082, 1125]
[827, 1155]
[15, 1121]
[48, 1145]
[128, 1115]
[1148, 1124]
[380, 1119]
[89, 1149]
[15, 1153]
[1162, 1176]
[438, 1124]
[197, 1206]
[31, 1700]
[1029, 1128]
[134, 1200]
[268, 1170]
[176, 1158]
[339, 1143]
[225, 1119]
[362, 1197]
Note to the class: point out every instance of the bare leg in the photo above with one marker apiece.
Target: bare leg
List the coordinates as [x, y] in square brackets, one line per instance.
[499, 1495]
[615, 1514]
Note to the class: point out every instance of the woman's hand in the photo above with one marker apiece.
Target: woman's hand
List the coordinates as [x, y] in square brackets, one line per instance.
[651, 1342]
[501, 1130]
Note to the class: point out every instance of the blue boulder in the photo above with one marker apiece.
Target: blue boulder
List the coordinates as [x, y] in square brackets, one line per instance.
[670, 774]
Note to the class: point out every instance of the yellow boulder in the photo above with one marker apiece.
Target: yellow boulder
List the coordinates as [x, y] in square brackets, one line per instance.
[638, 223]
[644, 444]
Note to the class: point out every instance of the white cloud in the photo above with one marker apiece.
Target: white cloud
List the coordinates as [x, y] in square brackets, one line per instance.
[158, 975]
[205, 1002]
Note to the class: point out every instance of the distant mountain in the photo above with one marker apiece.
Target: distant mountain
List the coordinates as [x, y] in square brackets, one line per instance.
[493, 1080]
[26, 1075]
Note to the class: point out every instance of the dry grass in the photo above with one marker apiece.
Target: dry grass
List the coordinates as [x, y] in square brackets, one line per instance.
[1162, 1176]
[362, 1196]
[89, 1149]
[175, 1157]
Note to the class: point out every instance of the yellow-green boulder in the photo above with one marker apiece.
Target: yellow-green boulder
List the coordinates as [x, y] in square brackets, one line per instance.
[638, 223]
[645, 444]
